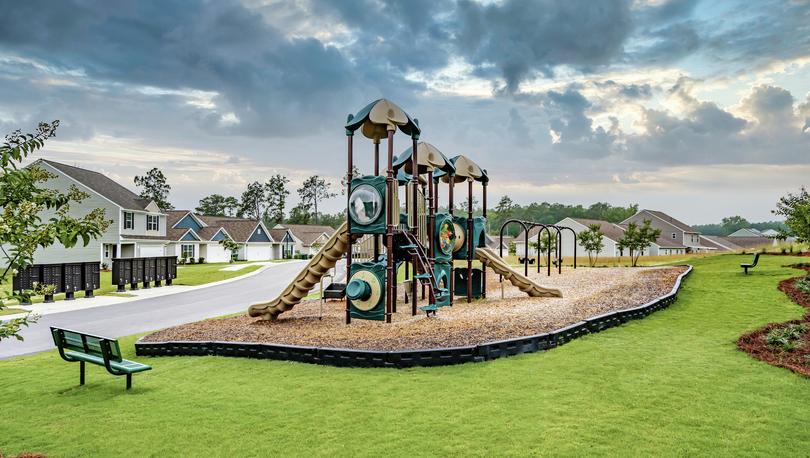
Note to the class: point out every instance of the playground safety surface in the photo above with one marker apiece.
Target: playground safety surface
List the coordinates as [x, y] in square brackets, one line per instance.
[587, 292]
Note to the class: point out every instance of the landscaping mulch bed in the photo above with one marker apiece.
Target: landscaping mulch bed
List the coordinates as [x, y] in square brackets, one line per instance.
[755, 343]
[586, 293]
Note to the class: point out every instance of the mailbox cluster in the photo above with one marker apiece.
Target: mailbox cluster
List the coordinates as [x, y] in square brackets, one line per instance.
[67, 278]
[143, 270]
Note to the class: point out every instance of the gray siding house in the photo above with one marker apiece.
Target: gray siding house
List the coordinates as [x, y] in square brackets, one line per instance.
[676, 237]
[138, 225]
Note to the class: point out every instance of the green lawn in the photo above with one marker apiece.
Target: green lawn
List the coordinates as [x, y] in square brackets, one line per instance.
[196, 274]
[671, 384]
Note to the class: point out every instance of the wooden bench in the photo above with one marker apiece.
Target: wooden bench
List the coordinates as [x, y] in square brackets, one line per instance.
[75, 346]
[753, 264]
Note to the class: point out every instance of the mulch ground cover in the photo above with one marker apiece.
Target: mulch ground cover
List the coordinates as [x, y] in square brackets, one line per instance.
[797, 360]
[503, 314]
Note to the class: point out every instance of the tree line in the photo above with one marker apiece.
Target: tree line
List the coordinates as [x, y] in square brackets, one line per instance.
[551, 213]
[732, 224]
[260, 200]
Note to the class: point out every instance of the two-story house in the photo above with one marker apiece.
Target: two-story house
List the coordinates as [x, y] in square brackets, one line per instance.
[138, 225]
[140, 229]
[676, 236]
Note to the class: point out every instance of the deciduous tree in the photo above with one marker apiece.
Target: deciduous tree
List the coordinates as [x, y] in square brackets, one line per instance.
[638, 238]
[591, 240]
[300, 214]
[155, 187]
[218, 205]
[35, 217]
[796, 210]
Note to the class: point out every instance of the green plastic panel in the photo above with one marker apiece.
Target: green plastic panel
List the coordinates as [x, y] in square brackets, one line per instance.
[377, 312]
[442, 272]
[362, 212]
[460, 282]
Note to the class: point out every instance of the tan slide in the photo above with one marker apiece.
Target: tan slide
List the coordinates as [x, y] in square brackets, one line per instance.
[318, 266]
[490, 258]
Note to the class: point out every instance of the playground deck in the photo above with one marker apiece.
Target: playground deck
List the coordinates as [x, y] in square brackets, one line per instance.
[586, 293]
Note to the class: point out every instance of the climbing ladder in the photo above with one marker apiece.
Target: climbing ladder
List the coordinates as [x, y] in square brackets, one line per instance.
[423, 271]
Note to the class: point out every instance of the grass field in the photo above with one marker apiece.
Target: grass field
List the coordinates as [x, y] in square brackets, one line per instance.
[671, 384]
[191, 275]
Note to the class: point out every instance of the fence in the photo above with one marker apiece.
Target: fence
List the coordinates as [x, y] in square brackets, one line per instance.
[143, 270]
[67, 278]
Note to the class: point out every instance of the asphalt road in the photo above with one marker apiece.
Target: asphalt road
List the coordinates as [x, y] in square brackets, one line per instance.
[157, 312]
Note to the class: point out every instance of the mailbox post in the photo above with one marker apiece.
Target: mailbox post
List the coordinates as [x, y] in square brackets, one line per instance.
[91, 278]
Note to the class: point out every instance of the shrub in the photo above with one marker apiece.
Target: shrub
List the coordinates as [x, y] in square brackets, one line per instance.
[104, 266]
[191, 260]
[786, 338]
[803, 285]
[201, 260]
[182, 261]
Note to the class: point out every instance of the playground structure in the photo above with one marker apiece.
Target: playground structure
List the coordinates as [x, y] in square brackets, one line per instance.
[381, 234]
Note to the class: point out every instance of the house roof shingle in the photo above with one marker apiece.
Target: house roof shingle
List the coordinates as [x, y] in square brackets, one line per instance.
[661, 215]
[240, 229]
[103, 185]
[308, 233]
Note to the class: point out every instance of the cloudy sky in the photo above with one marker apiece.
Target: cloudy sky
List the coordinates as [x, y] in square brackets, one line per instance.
[697, 108]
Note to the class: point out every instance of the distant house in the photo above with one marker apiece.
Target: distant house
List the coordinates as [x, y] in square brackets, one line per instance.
[492, 242]
[676, 237]
[138, 225]
[612, 234]
[305, 239]
[198, 236]
[748, 238]
[747, 232]
[140, 229]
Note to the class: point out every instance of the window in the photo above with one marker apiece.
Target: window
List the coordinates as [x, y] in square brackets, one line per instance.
[152, 222]
[259, 230]
[129, 220]
[186, 251]
[106, 251]
[673, 236]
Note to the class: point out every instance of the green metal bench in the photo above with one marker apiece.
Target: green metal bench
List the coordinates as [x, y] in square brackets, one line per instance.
[753, 264]
[75, 346]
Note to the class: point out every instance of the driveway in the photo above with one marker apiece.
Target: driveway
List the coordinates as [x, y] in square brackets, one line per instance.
[157, 312]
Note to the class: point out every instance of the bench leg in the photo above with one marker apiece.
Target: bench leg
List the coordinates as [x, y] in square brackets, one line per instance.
[746, 270]
[81, 372]
[129, 381]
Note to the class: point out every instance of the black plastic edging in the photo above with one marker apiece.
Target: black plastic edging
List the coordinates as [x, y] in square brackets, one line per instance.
[344, 357]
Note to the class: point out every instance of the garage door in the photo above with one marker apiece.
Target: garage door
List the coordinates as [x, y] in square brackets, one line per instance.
[148, 251]
[259, 252]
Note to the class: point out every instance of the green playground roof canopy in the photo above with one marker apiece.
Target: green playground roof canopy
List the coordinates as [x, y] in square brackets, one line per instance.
[429, 157]
[376, 118]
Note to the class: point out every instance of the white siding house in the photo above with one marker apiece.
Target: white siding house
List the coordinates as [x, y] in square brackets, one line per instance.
[118, 203]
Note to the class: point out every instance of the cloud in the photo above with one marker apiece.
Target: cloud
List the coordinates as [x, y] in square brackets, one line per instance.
[518, 38]
[758, 34]
[274, 85]
[771, 107]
